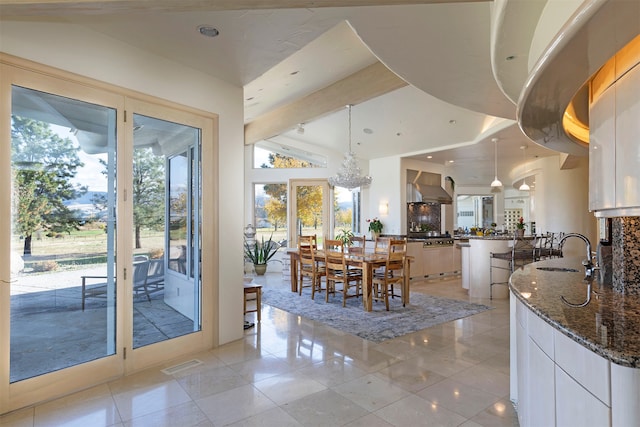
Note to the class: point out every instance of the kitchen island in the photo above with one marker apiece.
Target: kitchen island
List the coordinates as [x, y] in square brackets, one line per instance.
[475, 273]
[575, 348]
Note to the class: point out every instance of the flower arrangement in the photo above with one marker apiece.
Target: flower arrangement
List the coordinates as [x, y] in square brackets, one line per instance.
[520, 225]
[375, 225]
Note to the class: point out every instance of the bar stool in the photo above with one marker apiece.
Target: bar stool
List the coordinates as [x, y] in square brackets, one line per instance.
[523, 251]
[253, 288]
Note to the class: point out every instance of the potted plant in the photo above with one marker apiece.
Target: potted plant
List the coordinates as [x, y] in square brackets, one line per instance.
[260, 253]
[375, 227]
[520, 226]
[345, 236]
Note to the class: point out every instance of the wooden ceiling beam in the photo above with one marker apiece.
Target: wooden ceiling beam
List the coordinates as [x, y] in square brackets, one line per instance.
[88, 7]
[368, 83]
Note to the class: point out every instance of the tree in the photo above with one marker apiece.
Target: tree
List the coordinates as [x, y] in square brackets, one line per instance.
[276, 205]
[148, 192]
[43, 167]
[309, 197]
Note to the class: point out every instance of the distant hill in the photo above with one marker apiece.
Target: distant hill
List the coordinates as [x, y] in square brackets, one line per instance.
[85, 199]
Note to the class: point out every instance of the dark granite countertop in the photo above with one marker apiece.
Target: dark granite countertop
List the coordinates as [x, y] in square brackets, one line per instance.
[609, 325]
[488, 237]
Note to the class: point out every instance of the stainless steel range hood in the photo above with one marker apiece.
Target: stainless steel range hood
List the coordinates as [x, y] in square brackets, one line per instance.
[425, 187]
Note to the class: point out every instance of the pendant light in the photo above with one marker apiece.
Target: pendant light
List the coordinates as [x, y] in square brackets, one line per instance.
[349, 175]
[524, 186]
[496, 182]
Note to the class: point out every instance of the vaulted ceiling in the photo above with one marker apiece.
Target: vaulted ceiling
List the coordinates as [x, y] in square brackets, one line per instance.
[422, 75]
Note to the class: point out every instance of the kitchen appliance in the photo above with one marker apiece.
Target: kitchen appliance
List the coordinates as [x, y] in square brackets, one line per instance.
[438, 242]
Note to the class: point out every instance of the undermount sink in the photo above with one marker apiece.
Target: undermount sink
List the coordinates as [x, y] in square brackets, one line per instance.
[566, 270]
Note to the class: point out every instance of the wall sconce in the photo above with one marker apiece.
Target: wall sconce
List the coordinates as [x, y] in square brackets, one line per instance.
[383, 208]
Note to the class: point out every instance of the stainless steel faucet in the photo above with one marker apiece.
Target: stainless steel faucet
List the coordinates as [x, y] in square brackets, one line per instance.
[589, 267]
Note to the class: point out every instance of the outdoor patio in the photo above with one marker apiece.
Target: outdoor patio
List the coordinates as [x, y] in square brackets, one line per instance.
[50, 331]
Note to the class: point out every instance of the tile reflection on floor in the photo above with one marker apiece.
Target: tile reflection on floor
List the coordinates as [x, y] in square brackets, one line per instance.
[288, 371]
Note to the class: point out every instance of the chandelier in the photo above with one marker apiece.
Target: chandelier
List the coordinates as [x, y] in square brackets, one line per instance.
[349, 175]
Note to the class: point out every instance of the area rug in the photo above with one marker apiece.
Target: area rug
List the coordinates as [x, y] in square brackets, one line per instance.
[378, 325]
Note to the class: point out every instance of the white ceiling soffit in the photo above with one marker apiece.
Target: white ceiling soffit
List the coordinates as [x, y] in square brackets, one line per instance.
[413, 121]
[333, 56]
[409, 40]
[515, 23]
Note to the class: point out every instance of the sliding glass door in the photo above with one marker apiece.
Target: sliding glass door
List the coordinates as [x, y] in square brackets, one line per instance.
[166, 221]
[100, 251]
[63, 288]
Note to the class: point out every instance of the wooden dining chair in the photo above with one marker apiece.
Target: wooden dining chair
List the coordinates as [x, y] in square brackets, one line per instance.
[391, 273]
[309, 268]
[337, 271]
[358, 245]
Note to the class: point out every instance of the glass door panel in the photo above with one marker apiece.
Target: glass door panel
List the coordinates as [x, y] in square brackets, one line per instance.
[63, 290]
[310, 209]
[166, 194]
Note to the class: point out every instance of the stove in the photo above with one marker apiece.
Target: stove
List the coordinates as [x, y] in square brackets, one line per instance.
[438, 242]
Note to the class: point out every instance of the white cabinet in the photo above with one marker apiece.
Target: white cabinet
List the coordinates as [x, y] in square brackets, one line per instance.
[559, 382]
[575, 406]
[627, 129]
[602, 151]
[614, 176]
[541, 390]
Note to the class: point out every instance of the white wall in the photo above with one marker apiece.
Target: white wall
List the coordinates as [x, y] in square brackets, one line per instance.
[386, 188]
[74, 48]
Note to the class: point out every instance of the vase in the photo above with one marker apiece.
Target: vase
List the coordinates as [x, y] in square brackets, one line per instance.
[375, 235]
[260, 269]
[519, 232]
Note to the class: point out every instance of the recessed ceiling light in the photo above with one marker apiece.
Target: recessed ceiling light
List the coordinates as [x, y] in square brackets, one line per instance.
[451, 161]
[510, 57]
[367, 131]
[208, 31]
[429, 157]
[249, 98]
[293, 73]
[452, 122]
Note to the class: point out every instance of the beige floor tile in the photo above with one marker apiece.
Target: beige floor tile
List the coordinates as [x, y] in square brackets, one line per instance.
[288, 387]
[410, 374]
[333, 372]
[94, 406]
[371, 392]
[484, 378]
[142, 401]
[234, 405]
[370, 420]
[325, 408]
[499, 414]
[275, 417]
[215, 380]
[185, 415]
[261, 368]
[459, 398]
[415, 411]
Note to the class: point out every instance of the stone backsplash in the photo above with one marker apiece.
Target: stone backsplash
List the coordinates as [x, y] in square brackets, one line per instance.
[626, 255]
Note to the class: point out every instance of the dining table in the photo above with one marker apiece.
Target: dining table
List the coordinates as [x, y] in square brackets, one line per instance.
[367, 262]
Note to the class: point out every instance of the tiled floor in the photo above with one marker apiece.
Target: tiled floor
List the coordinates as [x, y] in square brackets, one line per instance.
[291, 372]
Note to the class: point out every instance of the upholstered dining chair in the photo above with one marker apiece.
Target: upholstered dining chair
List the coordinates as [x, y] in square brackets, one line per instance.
[310, 268]
[338, 272]
[392, 273]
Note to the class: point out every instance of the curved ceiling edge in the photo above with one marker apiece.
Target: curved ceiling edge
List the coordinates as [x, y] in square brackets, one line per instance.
[597, 30]
[513, 27]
